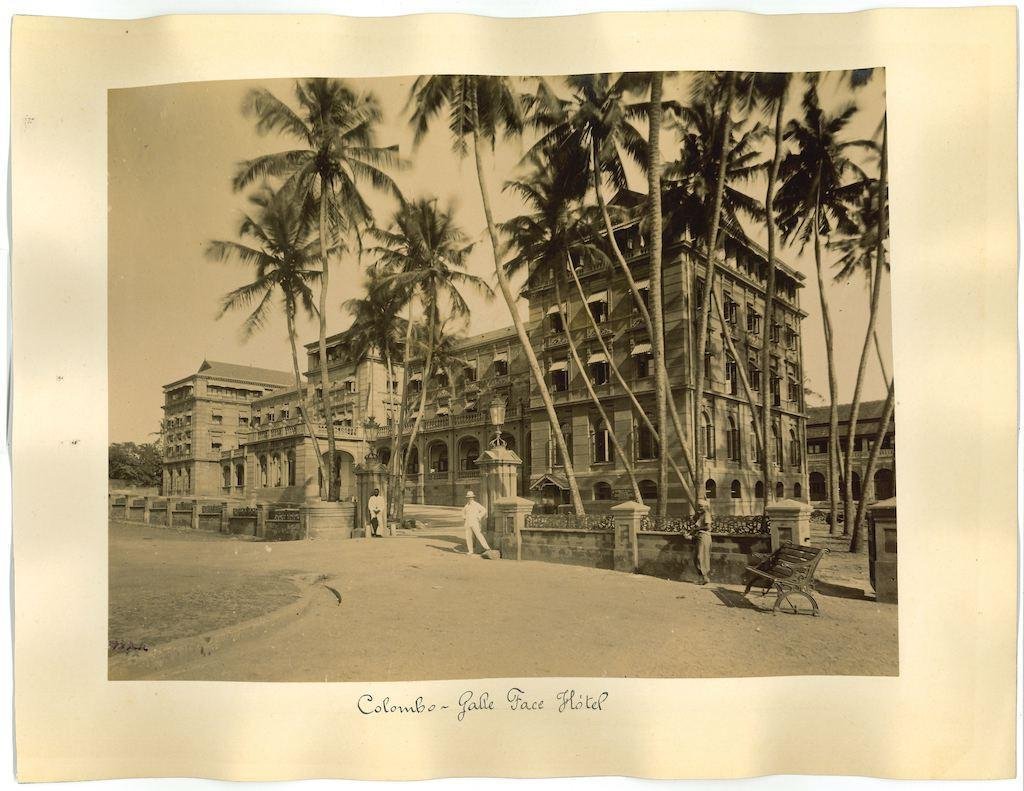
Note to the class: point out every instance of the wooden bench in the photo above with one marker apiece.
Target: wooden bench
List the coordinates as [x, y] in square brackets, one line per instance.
[790, 569]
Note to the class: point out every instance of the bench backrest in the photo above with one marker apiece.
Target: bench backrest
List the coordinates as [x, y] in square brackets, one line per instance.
[801, 559]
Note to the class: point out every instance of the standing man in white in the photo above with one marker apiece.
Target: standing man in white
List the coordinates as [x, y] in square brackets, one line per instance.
[472, 513]
[376, 506]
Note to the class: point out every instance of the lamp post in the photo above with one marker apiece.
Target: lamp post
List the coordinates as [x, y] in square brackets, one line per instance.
[497, 413]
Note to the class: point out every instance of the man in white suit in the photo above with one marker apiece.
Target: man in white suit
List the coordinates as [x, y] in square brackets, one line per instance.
[472, 514]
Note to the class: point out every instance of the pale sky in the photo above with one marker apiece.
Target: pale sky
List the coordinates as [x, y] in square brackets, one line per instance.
[172, 152]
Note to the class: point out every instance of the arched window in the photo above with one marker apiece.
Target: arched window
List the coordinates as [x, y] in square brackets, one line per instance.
[646, 443]
[755, 452]
[759, 490]
[710, 489]
[291, 468]
[855, 485]
[263, 470]
[602, 490]
[780, 490]
[735, 490]
[413, 467]
[794, 449]
[732, 437]
[777, 445]
[601, 445]
[798, 491]
[817, 483]
[469, 452]
[275, 467]
[648, 490]
[709, 437]
[384, 455]
[239, 475]
[227, 476]
[437, 457]
[885, 485]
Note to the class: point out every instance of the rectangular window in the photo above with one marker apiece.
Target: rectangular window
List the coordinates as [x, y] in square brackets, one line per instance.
[215, 445]
[243, 420]
[754, 375]
[698, 295]
[731, 310]
[775, 332]
[643, 365]
[560, 380]
[599, 372]
[218, 419]
[598, 305]
[776, 390]
[501, 367]
[647, 444]
[753, 320]
[602, 447]
[791, 338]
[731, 376]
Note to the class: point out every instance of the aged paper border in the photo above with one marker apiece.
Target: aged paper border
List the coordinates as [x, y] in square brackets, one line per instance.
[950, 714]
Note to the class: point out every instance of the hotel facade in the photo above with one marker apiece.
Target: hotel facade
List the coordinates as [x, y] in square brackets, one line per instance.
[267, 454]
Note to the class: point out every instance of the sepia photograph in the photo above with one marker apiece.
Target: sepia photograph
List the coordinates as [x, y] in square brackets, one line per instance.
[478, 376]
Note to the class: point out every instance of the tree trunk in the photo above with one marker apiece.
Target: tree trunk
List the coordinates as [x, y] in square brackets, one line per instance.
[875, 277]
[395, 433]
[645, 315]
[302, 395]
[524, 338]
[397, 457]
[833, 427]
[769, 296]
[325, 383]
[869, 472]
[628, 391]
[431, 325]
[566, 330]
[709, 273]
[661, 391]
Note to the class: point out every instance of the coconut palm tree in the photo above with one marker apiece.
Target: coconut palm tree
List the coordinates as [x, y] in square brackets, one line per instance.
[596, 121]
[772, 91]
[335, 129]
[560, 234]
[278, 241]
[448, 359]
[423, 254]
[479, 108]
[814, 201]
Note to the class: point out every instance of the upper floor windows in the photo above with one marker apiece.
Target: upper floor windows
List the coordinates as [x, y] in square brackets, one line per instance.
[500, 364]
[558, 372]
[597, 303]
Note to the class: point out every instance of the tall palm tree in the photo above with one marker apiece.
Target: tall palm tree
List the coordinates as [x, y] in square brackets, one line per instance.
[448, 359]
[596, 121]
[814, 202]
[424, 255]
[479, 108]
[335, 129]
[773, 92]
[558, 233]
[278, 241]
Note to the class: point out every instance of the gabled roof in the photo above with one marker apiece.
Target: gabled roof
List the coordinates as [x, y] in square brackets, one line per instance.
[818, 417]
[245, 373]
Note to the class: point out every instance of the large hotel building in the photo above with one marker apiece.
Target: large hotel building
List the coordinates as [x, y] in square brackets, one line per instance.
[235, 432]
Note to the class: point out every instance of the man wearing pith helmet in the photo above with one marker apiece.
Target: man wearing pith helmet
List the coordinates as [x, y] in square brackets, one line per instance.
[472, 513]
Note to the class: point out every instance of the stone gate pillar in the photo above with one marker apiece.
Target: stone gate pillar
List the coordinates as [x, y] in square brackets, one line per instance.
[499, 479]
[370, 475]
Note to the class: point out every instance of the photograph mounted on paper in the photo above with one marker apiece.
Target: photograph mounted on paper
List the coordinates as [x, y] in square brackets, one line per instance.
[461, 376]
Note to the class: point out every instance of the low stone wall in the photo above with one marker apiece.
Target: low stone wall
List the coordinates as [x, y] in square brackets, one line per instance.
[674, 555]
[629, 539]
[575, 547]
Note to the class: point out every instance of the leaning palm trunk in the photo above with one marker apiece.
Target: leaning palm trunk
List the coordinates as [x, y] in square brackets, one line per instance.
[709, 273]
[833, 425]
[639, 410]
[524, 338]
[645, 315]
[564, 307]
[875, 274]
[397, 457]
[302, 395]
[325, 382]
[423, 391]
[869, 472]
[751, 403]
[769, 294]
[661, 391]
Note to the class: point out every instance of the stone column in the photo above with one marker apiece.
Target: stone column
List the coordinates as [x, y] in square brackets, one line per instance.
[627, 518]
[169, 513]
[499, 479]
[225, 515]
[882, 549]
[261, 520]
[195, 513]
[370, 475]
[509, 517]
[790, 522]
[145, 509]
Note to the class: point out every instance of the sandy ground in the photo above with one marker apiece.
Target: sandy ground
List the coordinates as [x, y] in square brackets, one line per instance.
[412, 607]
